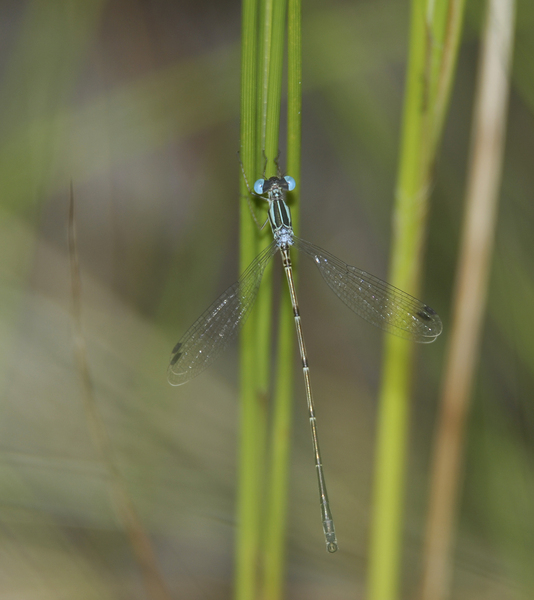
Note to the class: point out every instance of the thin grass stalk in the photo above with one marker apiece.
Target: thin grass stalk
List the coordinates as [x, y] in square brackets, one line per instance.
[488, 138]
[434, 24]
[276, 531]
[252, 421]
[274, 84]
[264, 301]
[270, 120]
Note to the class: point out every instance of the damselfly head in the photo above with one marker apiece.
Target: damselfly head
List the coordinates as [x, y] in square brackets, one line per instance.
[263, 186]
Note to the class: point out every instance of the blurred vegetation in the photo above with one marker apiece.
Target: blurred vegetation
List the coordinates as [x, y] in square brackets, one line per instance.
[138, 104]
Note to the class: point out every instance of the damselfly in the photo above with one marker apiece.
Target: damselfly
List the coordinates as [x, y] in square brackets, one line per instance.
[375, 300]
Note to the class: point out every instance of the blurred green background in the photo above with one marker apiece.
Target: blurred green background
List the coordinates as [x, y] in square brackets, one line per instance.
[137, 103]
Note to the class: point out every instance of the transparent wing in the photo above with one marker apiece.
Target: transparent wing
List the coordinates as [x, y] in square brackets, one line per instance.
[219, 324]
[376, 301]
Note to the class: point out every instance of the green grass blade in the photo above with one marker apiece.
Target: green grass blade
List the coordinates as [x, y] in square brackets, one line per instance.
[262, 59]
[252, 419]
[434, 38]
[280, 440]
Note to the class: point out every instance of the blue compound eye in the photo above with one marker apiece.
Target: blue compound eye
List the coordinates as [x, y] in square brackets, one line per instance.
[290, 183]
[258, 186]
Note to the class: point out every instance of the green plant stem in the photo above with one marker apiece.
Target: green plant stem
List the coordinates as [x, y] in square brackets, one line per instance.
[281, 429]
[262, 59]
[434, 37]
[252, 421]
